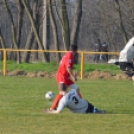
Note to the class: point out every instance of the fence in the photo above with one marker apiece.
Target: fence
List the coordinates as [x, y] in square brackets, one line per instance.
[82, 54]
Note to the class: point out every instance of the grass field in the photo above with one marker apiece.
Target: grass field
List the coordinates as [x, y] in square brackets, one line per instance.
[22, 101]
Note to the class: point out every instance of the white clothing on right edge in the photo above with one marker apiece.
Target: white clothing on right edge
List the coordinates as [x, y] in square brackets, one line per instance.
[127, 54]
[73, 102]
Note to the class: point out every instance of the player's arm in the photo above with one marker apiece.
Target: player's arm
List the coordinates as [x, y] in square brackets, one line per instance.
[59, 109]
[69, 69]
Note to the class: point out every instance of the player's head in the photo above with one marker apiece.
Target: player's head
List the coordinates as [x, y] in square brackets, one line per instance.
[62, 87]
[74, 48]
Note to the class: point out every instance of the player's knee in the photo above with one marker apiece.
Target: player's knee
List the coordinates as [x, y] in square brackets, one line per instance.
[78, 90]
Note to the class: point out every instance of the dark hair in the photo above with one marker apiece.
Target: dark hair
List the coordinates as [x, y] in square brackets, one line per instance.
[62, 87]
[73, 47]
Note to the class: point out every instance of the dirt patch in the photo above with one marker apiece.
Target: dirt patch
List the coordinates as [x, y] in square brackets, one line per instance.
[92, 75]
[16, 73]
[105, 75]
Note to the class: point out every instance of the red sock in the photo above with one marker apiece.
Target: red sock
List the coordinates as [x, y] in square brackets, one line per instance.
[56, 101]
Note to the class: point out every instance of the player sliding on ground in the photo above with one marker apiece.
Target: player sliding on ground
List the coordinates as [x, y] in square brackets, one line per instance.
[72, 101]
[65, 74]
[126, 59]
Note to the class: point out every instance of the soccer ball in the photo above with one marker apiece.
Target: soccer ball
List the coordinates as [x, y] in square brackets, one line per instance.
[49, 95]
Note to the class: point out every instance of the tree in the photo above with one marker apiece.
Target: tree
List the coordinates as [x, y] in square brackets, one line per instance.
[31, 36]
[34, 29]
[2, 43]
[72, 22]
[2, 40]
[54, 27]
[121, 21]
[64, 24]
[76, 22]
[20, 20]
[13, 30]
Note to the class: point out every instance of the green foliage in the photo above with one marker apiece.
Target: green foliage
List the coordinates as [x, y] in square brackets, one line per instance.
[22, 101]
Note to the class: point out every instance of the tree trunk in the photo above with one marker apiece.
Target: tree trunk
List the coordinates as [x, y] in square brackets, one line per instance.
[36, 18]
[13, 31]
[54, 28]
[35, 54]
[76, 22]
[26, 55]
[2, 44]
[76, 25]
[20, 21]
[2, 40]
[46, 29]
[65, 24]
[121, 23]
[34, 29]
[28, 46]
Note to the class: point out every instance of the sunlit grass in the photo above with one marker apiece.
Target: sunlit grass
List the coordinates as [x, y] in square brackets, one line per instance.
[53, 66]
[22, 102]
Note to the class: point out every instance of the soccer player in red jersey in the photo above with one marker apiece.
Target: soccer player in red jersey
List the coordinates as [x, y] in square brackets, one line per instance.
[65, 74]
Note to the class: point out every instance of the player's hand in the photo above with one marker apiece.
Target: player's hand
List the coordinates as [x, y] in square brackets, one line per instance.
[48, 110]
[74, 78]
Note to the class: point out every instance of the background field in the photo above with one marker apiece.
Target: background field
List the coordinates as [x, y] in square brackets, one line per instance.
[53, 66]
[22, 102]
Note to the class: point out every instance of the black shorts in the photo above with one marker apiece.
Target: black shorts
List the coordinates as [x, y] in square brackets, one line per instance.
[128, 68]
[90, 108]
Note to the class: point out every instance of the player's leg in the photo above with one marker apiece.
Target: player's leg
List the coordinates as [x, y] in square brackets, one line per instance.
[124, 66]
[92, 109]
[74, 86]
[128, 69]
[59, 79]
[56, 101]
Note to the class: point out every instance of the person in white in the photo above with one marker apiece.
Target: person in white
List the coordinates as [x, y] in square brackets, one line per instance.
[72, 101]
[126, 58]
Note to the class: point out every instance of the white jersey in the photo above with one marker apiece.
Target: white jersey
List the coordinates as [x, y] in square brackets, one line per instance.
[127, 54]
[73, 102]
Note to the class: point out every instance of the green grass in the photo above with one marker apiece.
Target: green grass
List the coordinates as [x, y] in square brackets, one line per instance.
[22, 101]
[53, 66]
[50, 67]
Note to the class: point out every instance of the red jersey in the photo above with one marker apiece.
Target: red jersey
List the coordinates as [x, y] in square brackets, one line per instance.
[66, 61]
